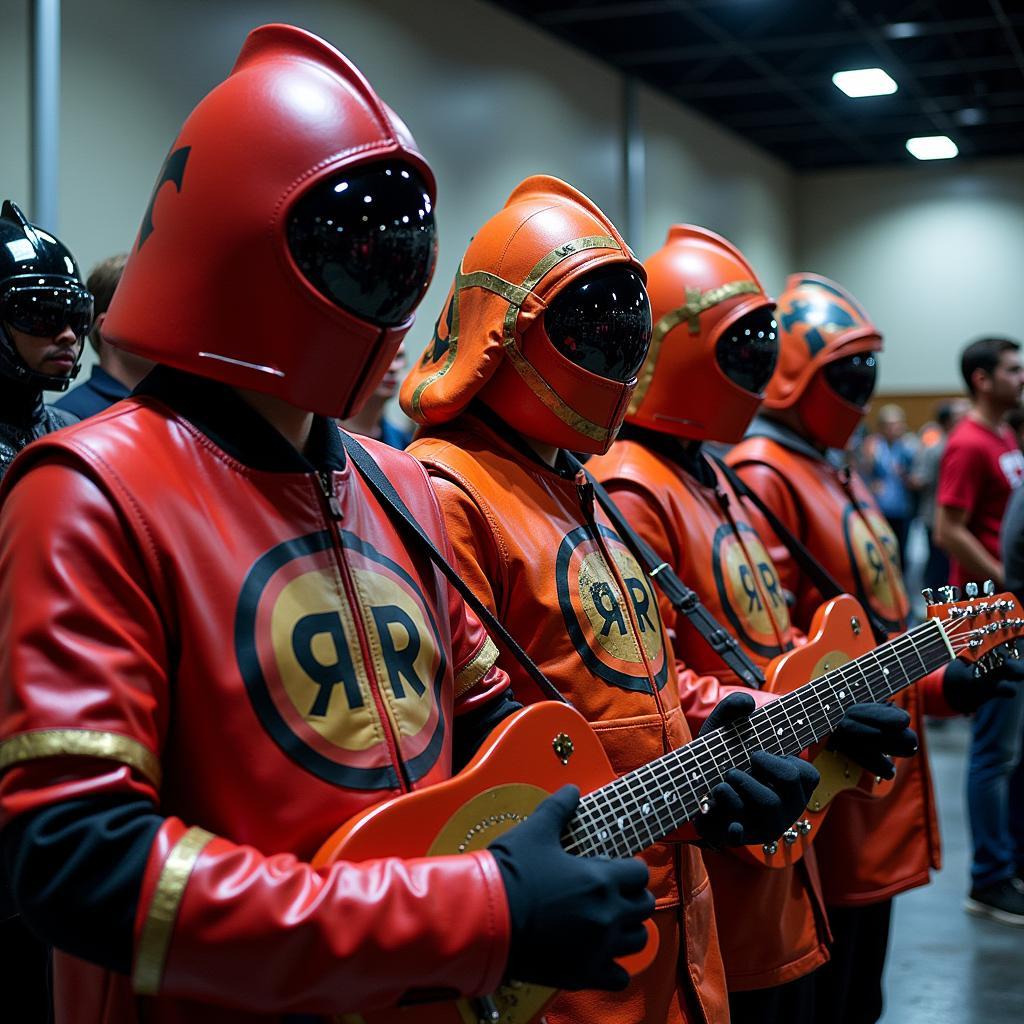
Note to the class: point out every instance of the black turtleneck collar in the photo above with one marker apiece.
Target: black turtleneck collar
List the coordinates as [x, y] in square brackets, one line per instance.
[21, 404]
[237, 428]
[765, 426]
[562, 467]
[687, 455]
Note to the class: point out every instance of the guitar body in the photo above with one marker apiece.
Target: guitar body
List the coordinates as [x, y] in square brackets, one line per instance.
[528, 756]
[839, 633]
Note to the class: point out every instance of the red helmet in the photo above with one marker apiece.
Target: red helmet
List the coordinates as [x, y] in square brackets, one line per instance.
[714, 345]
[290, 234]
[547, 322]
[826, 367]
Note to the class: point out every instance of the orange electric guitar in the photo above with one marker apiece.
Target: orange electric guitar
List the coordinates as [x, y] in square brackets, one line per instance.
[845, 640]
[537, 750]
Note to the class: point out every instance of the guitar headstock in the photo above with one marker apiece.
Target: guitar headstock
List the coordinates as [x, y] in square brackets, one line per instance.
[978, 627]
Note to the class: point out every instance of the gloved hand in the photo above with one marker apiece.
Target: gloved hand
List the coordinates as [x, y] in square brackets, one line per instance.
[965, 692]
[571, 916]
[758, 805]
[868, 732]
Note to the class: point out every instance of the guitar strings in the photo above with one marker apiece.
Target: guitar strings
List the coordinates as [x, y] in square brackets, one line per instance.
[606, 809]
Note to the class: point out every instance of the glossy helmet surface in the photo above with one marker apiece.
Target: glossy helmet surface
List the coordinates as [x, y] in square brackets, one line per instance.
[826, 365]
[505, 335]
[274, 254]
[714, 345]
[40, 281]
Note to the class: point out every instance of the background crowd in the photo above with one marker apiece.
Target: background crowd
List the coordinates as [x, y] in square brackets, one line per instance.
[951, 492]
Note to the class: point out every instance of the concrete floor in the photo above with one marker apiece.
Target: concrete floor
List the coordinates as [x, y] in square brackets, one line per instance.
[946, 967]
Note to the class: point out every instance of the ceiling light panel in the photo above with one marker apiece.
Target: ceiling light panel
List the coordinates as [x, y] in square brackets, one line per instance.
[932, 147]
[864, 82]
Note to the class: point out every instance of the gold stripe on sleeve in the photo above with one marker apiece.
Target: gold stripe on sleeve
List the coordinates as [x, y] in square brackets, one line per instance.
[155, 940]
[111, 746]
[476, 668]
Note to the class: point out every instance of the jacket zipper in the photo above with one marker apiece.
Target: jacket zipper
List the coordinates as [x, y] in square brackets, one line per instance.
[334, 516]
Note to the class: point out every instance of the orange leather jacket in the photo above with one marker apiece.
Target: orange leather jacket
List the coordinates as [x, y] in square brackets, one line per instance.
[868, 850]
[771, 922]
[224, 642]
[534, 548]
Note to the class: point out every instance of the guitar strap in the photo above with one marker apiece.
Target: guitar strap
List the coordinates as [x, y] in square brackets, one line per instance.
[385, 492]
[684, 599]
[825, 582]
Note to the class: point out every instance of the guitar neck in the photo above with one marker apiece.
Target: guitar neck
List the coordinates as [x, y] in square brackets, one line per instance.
[644, 806]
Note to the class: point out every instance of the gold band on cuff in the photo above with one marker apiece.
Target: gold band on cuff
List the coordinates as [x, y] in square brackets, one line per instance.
[111, 746]
[476, 668]
[155, 940]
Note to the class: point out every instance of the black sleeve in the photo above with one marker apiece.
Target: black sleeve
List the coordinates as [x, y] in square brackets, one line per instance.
[75, 870]
[472, 728]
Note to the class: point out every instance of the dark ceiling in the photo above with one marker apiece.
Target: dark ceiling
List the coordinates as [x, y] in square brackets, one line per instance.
[764, 68]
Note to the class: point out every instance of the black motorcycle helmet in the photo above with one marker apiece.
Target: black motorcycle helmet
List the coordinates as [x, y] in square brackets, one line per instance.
[41, 292]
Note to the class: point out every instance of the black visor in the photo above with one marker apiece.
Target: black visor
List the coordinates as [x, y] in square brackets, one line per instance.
[602, 322]
[853, 378]
[44, 310]
[748, 350]
[366, 239]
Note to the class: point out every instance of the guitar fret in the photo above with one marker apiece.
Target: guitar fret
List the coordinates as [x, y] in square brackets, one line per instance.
[634, 811]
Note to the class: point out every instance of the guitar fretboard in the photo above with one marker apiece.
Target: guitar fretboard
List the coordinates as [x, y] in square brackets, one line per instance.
[644, 806]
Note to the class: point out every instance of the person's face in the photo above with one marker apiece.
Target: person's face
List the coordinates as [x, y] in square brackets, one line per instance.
[893, 427]
[393, 378]
[53, 355]
[1007, 379]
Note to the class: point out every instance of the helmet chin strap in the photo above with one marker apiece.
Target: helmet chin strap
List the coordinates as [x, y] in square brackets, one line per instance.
[13, 366]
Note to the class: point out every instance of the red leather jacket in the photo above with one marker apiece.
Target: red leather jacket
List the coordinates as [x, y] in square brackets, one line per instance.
[534, 548]
[868, 850]
[771, 922]
[257, 653]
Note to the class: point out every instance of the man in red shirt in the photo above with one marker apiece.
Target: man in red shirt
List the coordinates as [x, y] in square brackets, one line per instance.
[982, 464]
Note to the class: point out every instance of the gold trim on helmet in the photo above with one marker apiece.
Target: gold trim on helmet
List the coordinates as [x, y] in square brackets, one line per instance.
[515, 295]
[697, 302]
[157, 929]
[110, 746]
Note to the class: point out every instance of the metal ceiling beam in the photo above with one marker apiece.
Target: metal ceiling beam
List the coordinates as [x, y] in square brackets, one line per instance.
[1007, 25]
[895, 127]
[783, 117]
[926, 69]
[771, 78]
[902, 72]
[612, 12]
[799, 41]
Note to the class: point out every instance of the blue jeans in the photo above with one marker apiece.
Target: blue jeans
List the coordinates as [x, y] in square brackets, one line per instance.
[995, 790]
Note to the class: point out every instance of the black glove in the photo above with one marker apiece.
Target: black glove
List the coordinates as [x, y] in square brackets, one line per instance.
[868, 732]
[758, 805]
[965, 692]
[571, 916]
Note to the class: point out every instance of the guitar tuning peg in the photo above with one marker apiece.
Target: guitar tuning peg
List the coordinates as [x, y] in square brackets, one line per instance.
[971, 589]
[951, 594]
[929, 596]
[989, 588]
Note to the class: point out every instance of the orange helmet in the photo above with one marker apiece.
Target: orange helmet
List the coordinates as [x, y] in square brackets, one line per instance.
[714, 345]
[826, 366]
[290, 234]
[547, 322]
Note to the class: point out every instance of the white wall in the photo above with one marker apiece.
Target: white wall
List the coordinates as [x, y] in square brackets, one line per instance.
[699, 174]
[489, 98]
[14, 110]
[935, 252]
